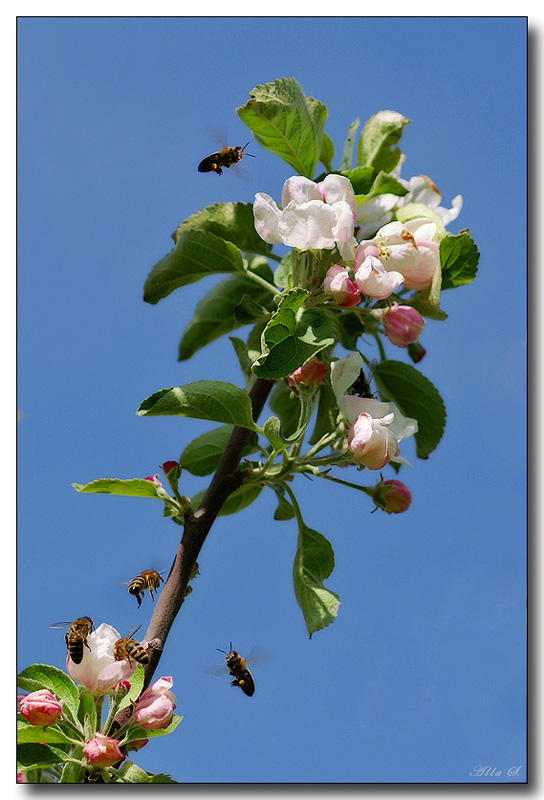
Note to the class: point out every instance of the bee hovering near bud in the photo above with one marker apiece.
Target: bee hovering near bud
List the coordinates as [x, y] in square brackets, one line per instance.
[76, 636]
[237, 667]
[128, 648]
[225, 158]
[149, 579]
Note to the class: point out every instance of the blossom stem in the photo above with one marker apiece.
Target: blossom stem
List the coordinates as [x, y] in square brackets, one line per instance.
[262, 282]
[364, 489]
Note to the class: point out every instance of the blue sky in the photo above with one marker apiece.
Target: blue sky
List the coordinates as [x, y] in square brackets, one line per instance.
[422, 676]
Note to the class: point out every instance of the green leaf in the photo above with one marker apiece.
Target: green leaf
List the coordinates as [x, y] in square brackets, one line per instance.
[347, 150]
[327, 412]
[380, 134]
[240, 348]
[350, 327]
[161, 777]
[134, 487]
[212, 400]
[196, 254]
[286, 405]
[131, 773]
[387, 184]
[215, 314]
[415, 397]
[285, 510]
[135, 732]
[327, 151]
[292, 336]
[238, 500]
[282, 274]
[459, 258]
[136, 685]
[427, 302]
[43, 676]
[314, 561]
[248, 311]
[38, 756]
[230, 221]
[203, 454]
[36, 733]
[72, 773]
[286, 122]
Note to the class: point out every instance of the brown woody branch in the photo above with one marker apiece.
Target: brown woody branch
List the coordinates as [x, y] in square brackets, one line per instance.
[226, 479]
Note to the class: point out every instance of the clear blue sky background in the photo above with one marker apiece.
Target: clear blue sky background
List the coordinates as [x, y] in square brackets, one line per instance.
[422, 676]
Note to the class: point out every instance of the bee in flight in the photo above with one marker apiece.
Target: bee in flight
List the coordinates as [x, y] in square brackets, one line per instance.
[225, 158]
[128, 648]
[237, 667]
[149, 579]
[76, 636]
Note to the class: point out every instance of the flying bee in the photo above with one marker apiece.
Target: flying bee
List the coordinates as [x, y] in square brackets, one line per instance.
[128, 648]
[225, 158]
[149, 579]
[237, 668]
[76, 636]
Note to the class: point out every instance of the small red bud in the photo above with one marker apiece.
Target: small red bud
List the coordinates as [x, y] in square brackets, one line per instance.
[392, 496]
[416, 351]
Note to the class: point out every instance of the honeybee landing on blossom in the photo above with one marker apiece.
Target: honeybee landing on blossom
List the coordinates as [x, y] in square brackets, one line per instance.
[76, 636]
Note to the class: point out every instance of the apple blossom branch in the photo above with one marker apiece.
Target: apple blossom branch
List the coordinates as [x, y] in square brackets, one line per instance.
[197, 526]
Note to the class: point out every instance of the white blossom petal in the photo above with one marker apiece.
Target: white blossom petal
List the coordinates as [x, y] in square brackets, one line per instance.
[267, 216]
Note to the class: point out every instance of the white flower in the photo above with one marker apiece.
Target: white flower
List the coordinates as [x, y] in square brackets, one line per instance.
[372, 214]
[408, 248]
[314, 216]
[98, 670]
[387, 419]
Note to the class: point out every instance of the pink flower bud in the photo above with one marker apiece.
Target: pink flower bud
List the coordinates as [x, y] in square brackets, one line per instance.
[21, 777]
[150, 478]
[309, 374]
[102, 751]
[40, 708]
[403, 325]
[155, 708]
[170, 466]
[392, 496]
[337, 283]
[416, 351]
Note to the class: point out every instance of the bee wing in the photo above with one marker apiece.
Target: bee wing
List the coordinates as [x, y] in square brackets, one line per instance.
[219, 135]
[241, 173]
[216, 670]
[258, 655]
[60, 625]
[133, 631]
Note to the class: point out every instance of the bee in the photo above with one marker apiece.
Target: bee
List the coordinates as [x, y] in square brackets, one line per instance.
[237, 667]
[128, 648]
[225, 158]
[148, 579]
[76, 636]
[361, 386]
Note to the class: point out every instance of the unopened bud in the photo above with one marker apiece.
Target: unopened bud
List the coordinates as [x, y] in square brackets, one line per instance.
[309, 374]
[392, 496]
[416, 351]
[403, 325]
[338, 284]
